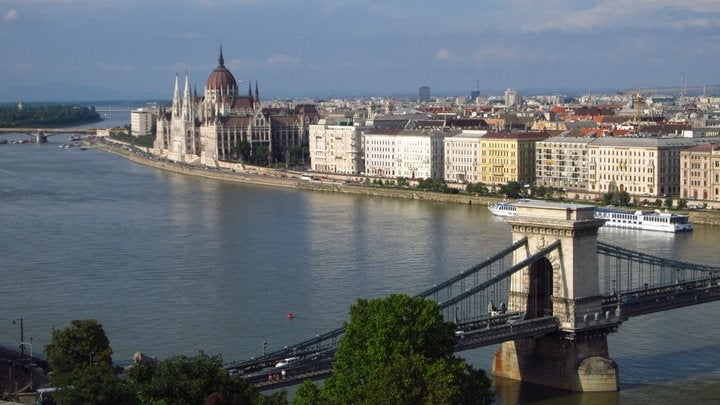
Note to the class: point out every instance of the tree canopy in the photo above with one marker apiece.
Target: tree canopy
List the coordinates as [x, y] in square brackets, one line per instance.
[398, 350]
[82, 371]
[46, 115]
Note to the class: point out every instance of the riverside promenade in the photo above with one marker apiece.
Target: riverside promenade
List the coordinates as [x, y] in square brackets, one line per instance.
[327, 182]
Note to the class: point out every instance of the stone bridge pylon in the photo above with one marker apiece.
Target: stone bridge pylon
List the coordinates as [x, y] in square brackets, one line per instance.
[563, 284]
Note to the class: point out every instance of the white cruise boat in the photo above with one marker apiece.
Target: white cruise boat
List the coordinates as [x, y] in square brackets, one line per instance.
[505, 208]
[646, 220]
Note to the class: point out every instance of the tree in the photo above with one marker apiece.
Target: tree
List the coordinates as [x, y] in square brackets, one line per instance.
[81, 364]
[242, 150]
[398, 350]
[80, 346]
[191, 380]
[512, 189]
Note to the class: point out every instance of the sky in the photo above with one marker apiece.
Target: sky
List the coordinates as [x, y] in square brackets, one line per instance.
[335, 48]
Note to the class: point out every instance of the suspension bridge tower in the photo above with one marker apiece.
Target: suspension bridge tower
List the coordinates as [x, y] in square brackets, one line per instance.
[564, 284]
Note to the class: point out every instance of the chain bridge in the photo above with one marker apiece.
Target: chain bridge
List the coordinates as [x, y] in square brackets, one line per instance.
[550, 299]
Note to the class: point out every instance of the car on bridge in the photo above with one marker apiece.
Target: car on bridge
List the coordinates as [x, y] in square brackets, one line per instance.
[286, 362]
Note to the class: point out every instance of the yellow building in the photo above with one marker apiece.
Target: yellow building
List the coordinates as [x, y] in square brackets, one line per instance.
[700, 172]
[509, 156]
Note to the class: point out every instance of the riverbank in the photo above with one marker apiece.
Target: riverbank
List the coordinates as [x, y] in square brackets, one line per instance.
[291, 179]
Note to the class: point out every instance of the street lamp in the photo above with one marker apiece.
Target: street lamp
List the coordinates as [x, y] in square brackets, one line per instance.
[22, 337]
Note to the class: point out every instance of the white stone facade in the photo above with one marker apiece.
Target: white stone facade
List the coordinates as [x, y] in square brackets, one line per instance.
[336, 148]
[638, 166]
[462, 153]
[411, 154]
[141, 122]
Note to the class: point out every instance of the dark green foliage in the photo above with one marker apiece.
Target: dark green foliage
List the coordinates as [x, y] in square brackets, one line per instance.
[80, 346]
[190, 380]
[436, 185]
[398, 350]
[617, 198]
[477, 188]
[53, 115]
[83, 373]
[142, 140]
[512, 189]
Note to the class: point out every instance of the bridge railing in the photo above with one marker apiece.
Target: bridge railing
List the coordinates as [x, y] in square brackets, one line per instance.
[623, 270]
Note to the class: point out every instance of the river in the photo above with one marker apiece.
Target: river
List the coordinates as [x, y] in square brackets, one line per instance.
[172, 264]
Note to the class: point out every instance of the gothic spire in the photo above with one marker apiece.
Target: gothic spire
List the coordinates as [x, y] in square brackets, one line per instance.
[221, 60]
[249, 88]
[257, 92]
[176, 98]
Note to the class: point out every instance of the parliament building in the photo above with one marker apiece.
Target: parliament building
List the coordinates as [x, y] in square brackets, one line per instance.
[216, 126]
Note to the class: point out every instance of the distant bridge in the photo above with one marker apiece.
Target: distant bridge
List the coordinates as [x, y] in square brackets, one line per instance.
[629, 284]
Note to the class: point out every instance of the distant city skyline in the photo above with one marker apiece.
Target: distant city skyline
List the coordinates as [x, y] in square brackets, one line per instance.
[334, 48]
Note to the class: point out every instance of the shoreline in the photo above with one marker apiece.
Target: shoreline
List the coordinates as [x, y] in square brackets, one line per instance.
[288, 179]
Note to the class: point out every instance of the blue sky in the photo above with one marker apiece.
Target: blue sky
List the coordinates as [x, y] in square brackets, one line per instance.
[371, 47]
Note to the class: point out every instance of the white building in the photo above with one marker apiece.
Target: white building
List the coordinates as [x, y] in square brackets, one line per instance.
[462, 152]
[413, 154]
[513, 99]
[336, 147]
[562, 162]
[638, 166]
[141, 122]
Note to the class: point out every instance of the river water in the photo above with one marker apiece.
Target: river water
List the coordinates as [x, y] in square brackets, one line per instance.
[173, 264]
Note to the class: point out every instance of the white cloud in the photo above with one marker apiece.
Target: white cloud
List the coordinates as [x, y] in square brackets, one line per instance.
[444, 55]
[11, 15]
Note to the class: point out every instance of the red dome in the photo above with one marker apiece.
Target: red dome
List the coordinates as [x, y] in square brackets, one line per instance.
[221, 78]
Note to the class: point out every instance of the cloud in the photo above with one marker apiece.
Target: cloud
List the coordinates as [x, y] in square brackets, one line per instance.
[281, 60]
[11, 15]
[444, 55]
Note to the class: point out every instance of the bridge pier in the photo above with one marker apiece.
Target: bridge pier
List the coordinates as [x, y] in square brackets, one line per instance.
[40, 138]
[562, 284]
[553, 361]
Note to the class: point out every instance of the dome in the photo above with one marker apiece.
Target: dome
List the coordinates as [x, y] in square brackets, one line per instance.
[221, 78]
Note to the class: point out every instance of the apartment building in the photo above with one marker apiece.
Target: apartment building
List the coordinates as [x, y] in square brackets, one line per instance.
[638, 166]
[700, 172]
[141, 122]
[509, 156]
[562, 162]
[336, 147]
[413, 154]
[462, 156]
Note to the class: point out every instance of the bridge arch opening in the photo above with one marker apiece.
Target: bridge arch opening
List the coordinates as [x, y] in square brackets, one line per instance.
[539, 303]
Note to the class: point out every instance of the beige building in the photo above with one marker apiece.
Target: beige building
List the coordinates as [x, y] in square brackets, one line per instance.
[336, 147]
[509, 156]
[413, 154]
[700, 172]
[223, 124]
[639, 166]
[141, 122]
[562, 162]
[462, 156]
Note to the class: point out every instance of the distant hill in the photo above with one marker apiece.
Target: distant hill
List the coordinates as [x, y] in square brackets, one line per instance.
[53, 92]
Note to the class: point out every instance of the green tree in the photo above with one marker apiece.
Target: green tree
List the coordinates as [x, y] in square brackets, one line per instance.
[260, 155]
[191, 380]
[241, 150]
[95, 385]
[81, 364]
[80, 346]
[512, 189]
[398, 350]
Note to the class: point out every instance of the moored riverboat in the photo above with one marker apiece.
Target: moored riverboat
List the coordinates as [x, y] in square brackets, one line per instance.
[646, 220]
